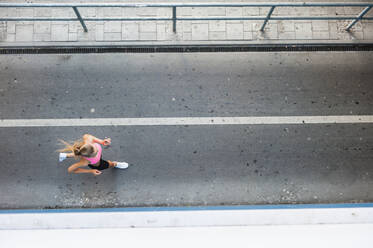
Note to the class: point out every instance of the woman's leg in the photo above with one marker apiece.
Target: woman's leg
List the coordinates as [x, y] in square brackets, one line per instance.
[112, 164]
[70, 155]
[119, 165]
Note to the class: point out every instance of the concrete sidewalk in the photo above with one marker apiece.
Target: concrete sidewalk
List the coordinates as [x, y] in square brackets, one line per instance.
[187, 31]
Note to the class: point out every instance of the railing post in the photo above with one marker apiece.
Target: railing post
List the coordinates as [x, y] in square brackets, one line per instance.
[174, 19]
[80, 19]
[267, 18]
[358, 18]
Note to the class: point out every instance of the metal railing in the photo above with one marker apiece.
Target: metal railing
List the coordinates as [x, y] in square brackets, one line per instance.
[174, 6]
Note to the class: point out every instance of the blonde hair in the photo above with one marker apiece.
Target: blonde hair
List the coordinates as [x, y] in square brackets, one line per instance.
[78, 147]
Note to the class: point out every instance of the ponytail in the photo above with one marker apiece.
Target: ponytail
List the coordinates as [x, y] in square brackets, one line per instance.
[74, 148]
[77, 151]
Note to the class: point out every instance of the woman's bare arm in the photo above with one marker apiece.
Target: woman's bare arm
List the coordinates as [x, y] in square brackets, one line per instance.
[81, 170]
[70, 155]
[75, 167]
[93, 139]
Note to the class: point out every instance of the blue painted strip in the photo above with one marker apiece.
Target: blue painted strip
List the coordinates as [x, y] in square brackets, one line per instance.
[192, 208]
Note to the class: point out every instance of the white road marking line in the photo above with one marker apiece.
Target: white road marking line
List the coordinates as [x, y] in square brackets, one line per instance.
[171, 121]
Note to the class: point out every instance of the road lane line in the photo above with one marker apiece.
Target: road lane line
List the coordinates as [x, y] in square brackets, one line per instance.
[177, 121]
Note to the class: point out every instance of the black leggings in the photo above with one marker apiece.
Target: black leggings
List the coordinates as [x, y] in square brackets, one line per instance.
[102, 165]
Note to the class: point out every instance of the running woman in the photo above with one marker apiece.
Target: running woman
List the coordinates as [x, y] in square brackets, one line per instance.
[89, 151]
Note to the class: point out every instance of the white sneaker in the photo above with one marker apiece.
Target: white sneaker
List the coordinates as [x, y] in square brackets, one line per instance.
[121, 165]
[62, 156]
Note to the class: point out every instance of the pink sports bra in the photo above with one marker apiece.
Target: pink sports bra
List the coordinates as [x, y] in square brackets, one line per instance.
[96, 158]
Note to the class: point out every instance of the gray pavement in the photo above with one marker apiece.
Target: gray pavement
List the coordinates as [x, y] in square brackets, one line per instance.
[19, 33]
[189, 165]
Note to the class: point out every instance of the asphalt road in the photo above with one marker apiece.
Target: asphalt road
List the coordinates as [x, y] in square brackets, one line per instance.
[189, 165]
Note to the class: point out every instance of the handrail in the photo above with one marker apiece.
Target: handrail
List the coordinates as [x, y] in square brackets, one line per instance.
[341, 4]
[174, 6]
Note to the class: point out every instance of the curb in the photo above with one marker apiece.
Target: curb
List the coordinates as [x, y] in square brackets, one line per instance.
[184, 48]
